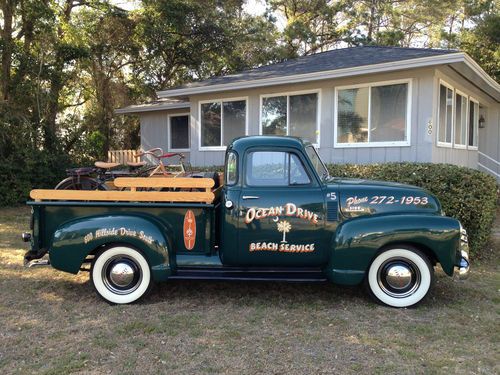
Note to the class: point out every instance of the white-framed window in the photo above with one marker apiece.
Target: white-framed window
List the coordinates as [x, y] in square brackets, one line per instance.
[461, 121]
[472, 131]
[445, 115]
[373, 114]
[222, 120]
[178, 132]
[457, 118]
[293, 113]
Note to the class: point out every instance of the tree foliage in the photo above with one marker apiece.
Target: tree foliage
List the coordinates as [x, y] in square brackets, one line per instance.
[66, 65]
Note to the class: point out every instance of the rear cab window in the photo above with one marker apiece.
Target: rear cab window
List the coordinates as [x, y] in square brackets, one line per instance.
[231, 168]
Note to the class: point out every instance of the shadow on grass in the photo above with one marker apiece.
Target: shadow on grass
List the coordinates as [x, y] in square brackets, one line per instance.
[205, 293]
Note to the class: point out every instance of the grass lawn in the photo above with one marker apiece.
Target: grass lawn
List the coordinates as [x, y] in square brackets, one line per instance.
[54, 323]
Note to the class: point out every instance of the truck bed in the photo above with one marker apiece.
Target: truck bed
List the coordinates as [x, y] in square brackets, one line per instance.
[140, 189]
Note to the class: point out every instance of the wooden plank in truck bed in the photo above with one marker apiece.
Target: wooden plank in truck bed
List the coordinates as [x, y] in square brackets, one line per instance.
[164, 182]
[123, 196]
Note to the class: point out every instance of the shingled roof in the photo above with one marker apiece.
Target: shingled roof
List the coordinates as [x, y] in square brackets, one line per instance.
[333, 60]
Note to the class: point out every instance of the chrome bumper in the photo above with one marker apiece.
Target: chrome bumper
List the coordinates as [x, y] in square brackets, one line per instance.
[463, 268]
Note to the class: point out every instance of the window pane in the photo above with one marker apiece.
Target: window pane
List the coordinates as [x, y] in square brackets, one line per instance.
[274, 115]
[460, 119]
[449, 114]
[211, 124]
[473, 123]
[298, 175]
[442, 114]
[303, 116]
[179, 132]
[234, 114]
[388, 113]
[465, 103]
[352, 115]
[267, 168]
[231, 172]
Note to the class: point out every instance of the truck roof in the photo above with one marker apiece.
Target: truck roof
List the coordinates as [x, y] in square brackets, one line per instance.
[242, 143]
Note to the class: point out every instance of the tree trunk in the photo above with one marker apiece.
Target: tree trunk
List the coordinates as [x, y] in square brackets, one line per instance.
[56, 83]
[371, 20]
[104, 100]
[7, 7]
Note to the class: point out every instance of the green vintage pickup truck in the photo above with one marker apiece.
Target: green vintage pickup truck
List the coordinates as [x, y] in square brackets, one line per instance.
[278, 216]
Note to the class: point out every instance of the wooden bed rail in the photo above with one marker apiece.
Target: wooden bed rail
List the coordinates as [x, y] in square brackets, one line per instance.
[123, 196]
[164, 182]
[206, 195]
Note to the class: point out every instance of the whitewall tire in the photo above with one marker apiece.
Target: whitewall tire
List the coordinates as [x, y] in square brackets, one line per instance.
[400, 276]
[121, 274]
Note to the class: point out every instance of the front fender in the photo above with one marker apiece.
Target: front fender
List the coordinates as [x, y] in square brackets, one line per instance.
[357, 241]
[75, 240]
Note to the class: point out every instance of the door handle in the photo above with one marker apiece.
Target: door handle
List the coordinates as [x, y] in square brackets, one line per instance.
[250, 197]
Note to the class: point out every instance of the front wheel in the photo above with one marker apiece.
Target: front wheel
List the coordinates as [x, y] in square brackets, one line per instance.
[120, 275]
[400, 276]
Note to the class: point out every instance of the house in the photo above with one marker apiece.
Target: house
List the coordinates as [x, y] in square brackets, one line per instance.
[357, 105]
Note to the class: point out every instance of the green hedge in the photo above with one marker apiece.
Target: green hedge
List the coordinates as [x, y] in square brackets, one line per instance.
[466, 194]
[28, 170]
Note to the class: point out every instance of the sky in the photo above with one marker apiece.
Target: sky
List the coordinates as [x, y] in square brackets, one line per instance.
[254, 7]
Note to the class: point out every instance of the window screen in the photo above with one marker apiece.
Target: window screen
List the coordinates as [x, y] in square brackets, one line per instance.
[179, 132]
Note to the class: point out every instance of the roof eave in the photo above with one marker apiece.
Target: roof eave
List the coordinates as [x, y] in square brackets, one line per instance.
[326, 74]
[161, 107]
[450, 58]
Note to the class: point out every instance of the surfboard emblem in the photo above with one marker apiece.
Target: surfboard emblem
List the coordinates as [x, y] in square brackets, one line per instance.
[189, 230]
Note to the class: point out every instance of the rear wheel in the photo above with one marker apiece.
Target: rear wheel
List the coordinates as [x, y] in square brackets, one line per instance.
[79, 183]
[400, 276]
[121, 274]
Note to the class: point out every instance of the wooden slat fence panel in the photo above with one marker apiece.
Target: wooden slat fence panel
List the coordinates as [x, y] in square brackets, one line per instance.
[122, 156]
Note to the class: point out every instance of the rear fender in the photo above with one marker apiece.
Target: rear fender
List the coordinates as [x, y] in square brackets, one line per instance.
[75, 240]
[357, 241]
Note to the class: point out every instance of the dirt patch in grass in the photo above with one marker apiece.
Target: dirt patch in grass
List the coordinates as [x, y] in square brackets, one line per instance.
[53, 323]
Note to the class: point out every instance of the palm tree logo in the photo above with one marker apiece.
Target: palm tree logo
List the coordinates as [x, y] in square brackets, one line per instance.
[284, 226]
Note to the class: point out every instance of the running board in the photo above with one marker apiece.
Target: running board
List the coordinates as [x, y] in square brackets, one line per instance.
[247, 274]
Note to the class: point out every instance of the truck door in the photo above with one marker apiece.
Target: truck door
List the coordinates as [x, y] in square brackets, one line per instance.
[281, 211]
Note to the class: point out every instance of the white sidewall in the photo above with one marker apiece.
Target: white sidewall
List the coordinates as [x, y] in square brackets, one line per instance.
[425, 282]
[107, 294]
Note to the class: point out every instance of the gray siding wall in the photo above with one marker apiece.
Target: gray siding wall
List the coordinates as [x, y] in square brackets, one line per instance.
[423, 137]
[421, 114]
[154, 129]
[489, 136]
[489, 142]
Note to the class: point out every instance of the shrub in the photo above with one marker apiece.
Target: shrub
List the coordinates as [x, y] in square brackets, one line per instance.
[465, 194]
[27, 170]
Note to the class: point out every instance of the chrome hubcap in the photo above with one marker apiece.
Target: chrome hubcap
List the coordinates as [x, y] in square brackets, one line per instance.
[398, 277]
[121, 275]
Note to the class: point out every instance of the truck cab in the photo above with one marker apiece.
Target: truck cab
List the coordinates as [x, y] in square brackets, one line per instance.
[274, 204]
[278, 216]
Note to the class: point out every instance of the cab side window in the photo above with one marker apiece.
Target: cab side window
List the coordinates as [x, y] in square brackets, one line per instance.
[275, 168]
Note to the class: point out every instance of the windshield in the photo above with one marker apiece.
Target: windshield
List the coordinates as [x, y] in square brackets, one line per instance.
[317, 162]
